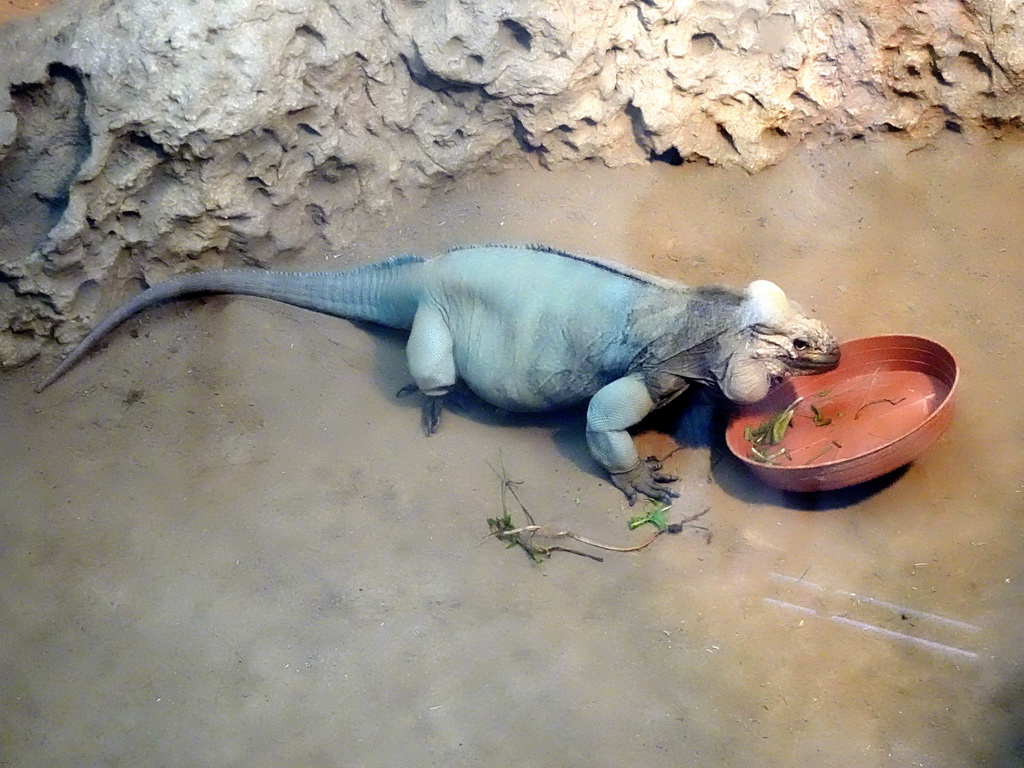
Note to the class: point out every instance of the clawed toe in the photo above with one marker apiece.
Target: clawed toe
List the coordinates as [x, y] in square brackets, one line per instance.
[431, 415]
[645, 478]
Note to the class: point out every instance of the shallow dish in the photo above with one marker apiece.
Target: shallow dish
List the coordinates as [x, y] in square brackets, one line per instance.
[890, 398]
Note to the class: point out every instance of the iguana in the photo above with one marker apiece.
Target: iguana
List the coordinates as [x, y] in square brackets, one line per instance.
[535, 329]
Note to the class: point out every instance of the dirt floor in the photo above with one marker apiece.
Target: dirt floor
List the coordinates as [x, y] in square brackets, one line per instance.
[16, 9]
[224, 541]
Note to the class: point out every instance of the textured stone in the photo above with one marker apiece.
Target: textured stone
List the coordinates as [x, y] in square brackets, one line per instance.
[141, 135]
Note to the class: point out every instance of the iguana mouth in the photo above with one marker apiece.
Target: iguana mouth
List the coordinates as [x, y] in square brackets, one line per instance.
[815, 362]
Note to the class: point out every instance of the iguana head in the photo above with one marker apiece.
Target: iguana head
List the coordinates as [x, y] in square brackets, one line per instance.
[777, 340]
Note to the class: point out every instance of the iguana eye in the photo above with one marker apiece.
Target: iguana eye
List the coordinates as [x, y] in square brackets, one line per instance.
[800, 344]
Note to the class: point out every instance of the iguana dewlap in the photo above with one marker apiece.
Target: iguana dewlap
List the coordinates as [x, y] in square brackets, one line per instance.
[533, 329]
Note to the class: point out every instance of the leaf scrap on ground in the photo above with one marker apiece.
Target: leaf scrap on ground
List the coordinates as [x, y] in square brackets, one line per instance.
[656, 516]
[504, 529]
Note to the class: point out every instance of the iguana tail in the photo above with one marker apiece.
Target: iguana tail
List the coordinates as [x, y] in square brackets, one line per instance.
[385, 293]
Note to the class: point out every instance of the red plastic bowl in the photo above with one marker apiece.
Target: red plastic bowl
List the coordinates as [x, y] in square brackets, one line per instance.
[890, 398]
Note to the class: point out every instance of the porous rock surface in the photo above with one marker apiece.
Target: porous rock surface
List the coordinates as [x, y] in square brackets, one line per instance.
[140, 136]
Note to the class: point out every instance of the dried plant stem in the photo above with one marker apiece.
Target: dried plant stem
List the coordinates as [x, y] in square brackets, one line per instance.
[502, 529]
[545, 531]
[888, 400]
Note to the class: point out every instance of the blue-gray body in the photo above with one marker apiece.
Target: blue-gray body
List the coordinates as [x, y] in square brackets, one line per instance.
[533, 329]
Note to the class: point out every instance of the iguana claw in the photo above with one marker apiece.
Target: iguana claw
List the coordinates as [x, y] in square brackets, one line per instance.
[430, 416]
[646, 478]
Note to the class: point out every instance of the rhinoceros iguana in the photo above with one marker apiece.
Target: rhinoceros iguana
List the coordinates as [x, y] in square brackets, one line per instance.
[534, 329]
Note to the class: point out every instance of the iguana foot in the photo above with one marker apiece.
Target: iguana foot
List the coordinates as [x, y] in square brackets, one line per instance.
[430, 415]
[646, 478]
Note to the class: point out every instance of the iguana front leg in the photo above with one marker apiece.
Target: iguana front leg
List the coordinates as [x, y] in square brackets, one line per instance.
[430, 352]
[616, 407]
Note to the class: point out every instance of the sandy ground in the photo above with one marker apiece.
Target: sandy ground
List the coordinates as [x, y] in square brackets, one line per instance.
[224, 541]
[16, 9]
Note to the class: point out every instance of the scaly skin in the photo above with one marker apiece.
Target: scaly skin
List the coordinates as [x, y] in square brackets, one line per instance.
[532, 329]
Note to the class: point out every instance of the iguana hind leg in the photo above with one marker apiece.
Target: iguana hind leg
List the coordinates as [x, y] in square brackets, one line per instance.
[431, 357]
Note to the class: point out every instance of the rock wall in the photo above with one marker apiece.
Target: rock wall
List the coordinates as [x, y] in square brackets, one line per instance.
[140, 136]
